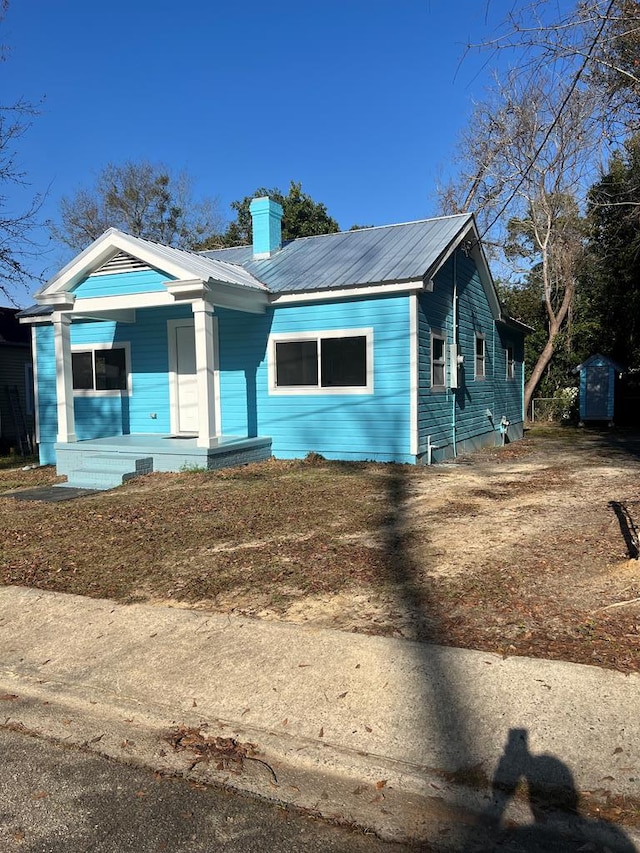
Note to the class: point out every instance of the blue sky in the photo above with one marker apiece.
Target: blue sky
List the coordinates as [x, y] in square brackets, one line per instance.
[360, 100]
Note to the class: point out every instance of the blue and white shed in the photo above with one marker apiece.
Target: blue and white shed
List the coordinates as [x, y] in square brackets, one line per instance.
[597, 388]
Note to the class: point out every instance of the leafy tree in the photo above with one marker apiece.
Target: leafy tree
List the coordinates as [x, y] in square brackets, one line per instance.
[143, 199]
[16, 226]
[610, 278]
[302, 216]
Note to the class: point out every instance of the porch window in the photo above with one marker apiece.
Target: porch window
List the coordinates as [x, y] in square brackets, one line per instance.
[511, 364]
[325, 362]
[480, 357]
[100, 369]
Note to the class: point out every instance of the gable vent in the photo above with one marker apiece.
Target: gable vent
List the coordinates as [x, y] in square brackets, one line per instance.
[122, 262]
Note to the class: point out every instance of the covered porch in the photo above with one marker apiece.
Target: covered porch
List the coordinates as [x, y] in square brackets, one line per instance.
[104, 463]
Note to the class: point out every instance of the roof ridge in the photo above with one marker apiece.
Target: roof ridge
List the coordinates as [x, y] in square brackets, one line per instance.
[389, 225]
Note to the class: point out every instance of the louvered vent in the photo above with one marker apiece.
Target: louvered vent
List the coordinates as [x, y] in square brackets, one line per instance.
[122, 262]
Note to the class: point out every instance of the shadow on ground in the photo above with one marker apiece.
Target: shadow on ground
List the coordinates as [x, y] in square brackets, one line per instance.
[542, 783]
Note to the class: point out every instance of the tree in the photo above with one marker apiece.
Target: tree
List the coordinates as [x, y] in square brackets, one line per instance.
[302, 216]
[521, 167]
[143, 199]
[17, 246]
[610, 278]
[593, 44]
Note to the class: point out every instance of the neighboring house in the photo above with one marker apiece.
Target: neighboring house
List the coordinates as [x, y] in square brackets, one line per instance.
[384, 344]
[16, 383]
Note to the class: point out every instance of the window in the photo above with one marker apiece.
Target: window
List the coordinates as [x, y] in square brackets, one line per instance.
[511, 365]
[480, 357]
[438, 361]
[100, 369]
[324, 362]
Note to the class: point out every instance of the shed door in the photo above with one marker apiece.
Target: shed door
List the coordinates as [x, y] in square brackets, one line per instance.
[597, 396]
[186, 386]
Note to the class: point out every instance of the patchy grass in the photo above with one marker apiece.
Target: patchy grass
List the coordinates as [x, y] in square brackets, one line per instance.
[513, 550]
[24, 472]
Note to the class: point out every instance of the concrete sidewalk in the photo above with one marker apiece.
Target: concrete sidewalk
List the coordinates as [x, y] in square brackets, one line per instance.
[402, 737]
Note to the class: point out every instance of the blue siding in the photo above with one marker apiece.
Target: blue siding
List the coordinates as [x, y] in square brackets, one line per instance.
[359, 426]
[101, 416]
[46, 392]
[461, 416]
[120, 284]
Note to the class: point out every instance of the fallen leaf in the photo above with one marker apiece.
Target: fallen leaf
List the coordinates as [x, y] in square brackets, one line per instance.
[381, 784]
[368, 728]
[7, 697]
[39, 795]
[321, 732]
[342, 695]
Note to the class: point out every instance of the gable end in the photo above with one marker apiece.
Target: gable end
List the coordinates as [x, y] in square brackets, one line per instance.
[121, 262]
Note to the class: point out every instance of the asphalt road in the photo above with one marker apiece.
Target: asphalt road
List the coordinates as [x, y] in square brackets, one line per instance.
[56, 799]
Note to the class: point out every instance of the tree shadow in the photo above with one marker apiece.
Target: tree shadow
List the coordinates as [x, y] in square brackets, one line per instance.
[628, 528]
[449, 727]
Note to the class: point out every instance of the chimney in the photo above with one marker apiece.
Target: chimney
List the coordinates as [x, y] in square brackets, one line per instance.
[266, 216]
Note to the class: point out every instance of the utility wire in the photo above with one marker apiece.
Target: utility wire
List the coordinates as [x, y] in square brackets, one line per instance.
[572, 87]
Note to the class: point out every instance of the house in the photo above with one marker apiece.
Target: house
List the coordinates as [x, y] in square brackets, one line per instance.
[16, 384]
[385, 343]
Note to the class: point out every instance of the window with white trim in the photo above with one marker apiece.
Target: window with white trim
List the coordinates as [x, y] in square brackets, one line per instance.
[481, 354]
[511, 364]
[339, 362]
[438, 360]
[100, 370]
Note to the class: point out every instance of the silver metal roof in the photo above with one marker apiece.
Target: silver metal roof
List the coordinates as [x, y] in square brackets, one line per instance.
[385, 254]
[204, 266]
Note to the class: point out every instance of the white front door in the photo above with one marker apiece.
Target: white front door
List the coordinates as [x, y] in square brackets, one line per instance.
[184, 391]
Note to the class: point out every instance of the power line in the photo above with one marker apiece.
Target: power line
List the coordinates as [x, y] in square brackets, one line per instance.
[572, 87]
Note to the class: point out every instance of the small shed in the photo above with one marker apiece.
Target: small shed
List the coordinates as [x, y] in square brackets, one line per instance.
[597, 388]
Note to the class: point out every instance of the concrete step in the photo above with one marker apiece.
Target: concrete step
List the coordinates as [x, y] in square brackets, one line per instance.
[95, 479]
[107, 471]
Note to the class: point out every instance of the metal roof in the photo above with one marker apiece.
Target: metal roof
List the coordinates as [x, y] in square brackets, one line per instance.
[203, 266]
[178, 262]
[385, 254]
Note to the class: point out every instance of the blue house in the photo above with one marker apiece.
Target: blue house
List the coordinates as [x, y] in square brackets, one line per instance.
[385, 343]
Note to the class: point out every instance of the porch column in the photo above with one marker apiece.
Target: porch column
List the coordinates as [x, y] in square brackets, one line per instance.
[204, 324]
[64, 377]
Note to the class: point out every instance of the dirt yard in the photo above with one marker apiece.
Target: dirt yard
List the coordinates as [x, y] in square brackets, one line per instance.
[518, 550]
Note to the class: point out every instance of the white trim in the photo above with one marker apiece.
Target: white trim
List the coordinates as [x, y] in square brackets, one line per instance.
[217, 395]
[96, 304]
[206, 367]
[512, 362]
[39, 319]
[172, 325]
[347, 292]
[36, 403]
[292, 390]
[64, 381]
[413, 375]
[105, 392]
[441, 336]
[480, 336]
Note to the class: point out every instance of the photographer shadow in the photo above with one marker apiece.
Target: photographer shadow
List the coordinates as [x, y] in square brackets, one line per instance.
[546, 785]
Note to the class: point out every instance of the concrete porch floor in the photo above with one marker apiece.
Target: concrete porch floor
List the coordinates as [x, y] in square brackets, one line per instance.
[103, 463]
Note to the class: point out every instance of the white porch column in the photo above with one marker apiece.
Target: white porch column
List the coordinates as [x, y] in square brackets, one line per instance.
[207, 372]
[64, 377]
